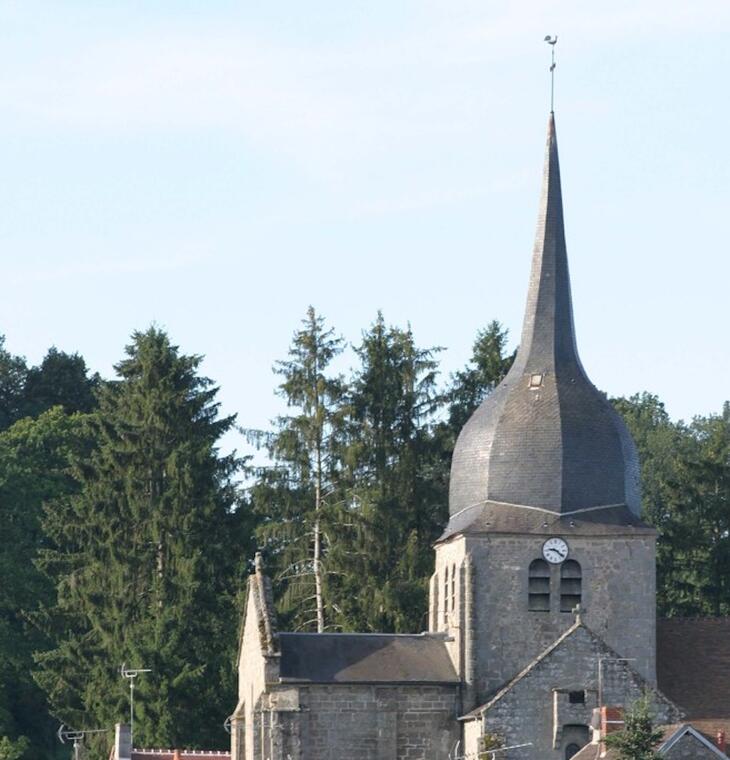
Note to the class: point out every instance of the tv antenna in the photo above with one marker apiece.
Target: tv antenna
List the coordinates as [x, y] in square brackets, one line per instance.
[66, 734]
[131, 674]
[552, 41]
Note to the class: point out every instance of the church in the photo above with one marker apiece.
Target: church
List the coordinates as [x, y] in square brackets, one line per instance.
[542, 612]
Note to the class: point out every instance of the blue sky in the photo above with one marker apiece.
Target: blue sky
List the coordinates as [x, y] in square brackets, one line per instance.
[214, 167]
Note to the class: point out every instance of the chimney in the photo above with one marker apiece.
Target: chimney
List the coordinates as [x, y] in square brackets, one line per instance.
[177, 756]
[122, 742]
[721, 743]
[612, 719]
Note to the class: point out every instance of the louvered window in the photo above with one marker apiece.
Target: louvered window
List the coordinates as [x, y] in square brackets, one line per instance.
[571, 585]
[538, 596]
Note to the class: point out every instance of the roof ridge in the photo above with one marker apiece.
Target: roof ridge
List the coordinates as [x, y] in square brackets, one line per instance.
[578, 624]
[423, 634]
[528, 668]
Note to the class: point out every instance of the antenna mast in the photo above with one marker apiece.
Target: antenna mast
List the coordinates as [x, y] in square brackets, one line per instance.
[552, 42]
[131, 674]
[67, 734]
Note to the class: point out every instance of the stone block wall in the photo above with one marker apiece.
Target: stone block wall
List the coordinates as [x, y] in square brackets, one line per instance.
[533, 709]
[618, 596]
[357, 722]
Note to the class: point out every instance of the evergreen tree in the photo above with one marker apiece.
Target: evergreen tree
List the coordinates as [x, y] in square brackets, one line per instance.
[487, 367]
[34, 468]
[60, 380]
[142, 558]
[639, 737]
[297, 498]
[13, 370]
[385, 559]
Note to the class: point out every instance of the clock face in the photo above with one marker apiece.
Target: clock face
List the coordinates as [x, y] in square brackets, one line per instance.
[555, 550]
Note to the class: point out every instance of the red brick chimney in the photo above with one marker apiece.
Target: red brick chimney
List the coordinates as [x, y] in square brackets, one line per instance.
[721, 743]
[612, 719]
[176, 755]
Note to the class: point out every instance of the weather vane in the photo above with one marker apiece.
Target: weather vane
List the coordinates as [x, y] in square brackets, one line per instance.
[551, 41]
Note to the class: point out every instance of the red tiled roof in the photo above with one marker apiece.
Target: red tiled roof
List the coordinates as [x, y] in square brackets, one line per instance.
[693, 665]
[185, 754]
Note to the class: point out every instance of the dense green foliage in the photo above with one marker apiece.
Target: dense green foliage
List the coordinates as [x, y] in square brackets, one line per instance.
[142, 558]
[393, 509]
[686, 495]
[34, 468]
[639, 737]
[126, 535]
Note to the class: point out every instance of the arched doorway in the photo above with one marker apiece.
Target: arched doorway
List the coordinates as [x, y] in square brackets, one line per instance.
[575, 737]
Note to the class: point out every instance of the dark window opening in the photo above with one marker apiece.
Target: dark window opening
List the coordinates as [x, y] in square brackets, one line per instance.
[453, 587]
[538, 586]
[577, 697]
[446, 595]
[571, 585]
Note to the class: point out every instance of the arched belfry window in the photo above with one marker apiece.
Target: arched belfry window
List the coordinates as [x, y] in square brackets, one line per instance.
[538, 586]
[571, 585]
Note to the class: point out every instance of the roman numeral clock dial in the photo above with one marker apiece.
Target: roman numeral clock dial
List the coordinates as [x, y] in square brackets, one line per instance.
[555, 550]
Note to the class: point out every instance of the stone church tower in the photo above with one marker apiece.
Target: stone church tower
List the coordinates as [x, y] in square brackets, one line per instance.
[542, 614]
[544, 499]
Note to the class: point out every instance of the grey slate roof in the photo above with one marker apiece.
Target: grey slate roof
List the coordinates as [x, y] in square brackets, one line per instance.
[559, 445]
[491, 517]
[365, 658]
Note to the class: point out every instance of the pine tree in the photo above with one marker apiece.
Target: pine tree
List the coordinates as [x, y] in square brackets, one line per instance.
[639, 737]
[142, 556]
[487, 367]
[297, 498]
[394, 510]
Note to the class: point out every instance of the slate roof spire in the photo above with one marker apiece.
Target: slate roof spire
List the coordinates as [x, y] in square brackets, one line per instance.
[548, 333]
[546, 438]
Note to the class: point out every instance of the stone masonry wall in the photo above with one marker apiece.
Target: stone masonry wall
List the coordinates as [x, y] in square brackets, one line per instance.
[361, 722]
[256, 668]
[619, 588]
[536, 708]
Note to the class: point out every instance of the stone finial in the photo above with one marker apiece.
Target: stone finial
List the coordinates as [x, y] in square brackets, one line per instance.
[258, 563]
[578, 611]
